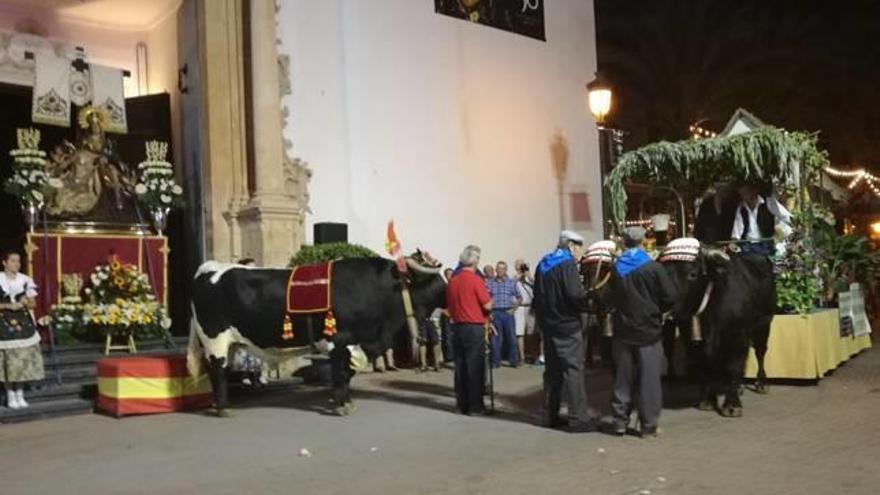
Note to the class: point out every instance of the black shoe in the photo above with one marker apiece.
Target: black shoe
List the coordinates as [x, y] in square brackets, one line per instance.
[578, 426]
[650, 432]
[554, 423]
[477, 412]
[615, 429]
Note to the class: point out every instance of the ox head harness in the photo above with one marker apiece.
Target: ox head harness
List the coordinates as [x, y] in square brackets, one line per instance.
[690, 250]
[419, 264]
[598, 254]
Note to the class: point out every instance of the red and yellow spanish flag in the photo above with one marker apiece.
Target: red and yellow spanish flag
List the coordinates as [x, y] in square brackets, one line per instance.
[150, 385]
[392, 243]
[392, 246]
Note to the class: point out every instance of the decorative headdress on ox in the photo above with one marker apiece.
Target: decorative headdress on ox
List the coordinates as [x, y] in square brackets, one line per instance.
[418, 262]
[600, 252]
[683, 249]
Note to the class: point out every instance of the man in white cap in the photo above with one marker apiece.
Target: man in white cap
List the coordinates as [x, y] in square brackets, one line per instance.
[559, 300]
[640, 293]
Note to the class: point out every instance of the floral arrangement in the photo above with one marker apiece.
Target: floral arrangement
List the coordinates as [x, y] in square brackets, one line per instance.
[66, 318]
[156, 187]
[114, 280]
[119, 301]
[798, 284]
[29, 181]
[144, 318]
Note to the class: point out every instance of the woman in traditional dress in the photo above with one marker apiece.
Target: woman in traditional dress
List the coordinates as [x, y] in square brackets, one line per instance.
[20, 357]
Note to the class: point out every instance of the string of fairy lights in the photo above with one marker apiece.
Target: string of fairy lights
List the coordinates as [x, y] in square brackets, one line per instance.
[698, 132]
[856, 177]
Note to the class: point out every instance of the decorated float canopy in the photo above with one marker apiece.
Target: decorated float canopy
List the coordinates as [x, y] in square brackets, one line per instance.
[790, 160]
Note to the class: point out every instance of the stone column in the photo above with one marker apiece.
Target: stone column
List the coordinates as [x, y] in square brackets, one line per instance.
[271, 222]
[223, 123]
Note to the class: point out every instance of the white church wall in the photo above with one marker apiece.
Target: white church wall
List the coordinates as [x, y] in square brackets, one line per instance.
[442, 125]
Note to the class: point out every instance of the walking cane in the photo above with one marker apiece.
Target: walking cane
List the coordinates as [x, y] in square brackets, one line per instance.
[488, 354]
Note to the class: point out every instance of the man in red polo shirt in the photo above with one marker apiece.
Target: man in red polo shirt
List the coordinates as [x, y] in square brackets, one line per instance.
[468, 302]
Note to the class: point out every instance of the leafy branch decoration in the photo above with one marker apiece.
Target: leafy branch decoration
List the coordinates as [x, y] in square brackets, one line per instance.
[691, 166]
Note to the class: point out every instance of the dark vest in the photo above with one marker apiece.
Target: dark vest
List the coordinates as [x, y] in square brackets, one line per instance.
[766, 222]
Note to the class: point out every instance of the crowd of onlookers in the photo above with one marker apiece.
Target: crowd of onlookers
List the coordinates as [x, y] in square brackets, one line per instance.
[554, 299]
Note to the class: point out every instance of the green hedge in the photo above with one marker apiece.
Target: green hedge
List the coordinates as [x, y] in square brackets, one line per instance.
[309, 255]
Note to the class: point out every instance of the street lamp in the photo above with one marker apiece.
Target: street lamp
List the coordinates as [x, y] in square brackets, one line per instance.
[599, 98]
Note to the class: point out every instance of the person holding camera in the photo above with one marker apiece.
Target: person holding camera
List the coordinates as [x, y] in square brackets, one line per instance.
[524, 316]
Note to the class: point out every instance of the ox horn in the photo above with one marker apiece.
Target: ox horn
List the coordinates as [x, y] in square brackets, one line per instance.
[717, 253]
[416, 267]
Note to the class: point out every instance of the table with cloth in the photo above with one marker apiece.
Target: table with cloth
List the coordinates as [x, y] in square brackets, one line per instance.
[150, 385]
[807, 346]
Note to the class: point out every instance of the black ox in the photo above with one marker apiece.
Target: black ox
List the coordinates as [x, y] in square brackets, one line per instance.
[233, 304]
[740, 301]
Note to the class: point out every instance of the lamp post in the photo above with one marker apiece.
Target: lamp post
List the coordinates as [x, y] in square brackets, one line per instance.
[599, 99]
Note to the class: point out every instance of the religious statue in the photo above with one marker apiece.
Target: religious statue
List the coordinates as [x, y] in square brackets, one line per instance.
[88, 170]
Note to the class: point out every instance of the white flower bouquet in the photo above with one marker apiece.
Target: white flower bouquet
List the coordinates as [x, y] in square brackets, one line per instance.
[156, 187]
[29, 181]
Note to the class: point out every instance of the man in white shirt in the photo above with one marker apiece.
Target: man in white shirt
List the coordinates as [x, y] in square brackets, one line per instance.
[757, 219]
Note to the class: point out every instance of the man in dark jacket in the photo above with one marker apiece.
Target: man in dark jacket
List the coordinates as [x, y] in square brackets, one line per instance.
[640, 293]
[559, 300]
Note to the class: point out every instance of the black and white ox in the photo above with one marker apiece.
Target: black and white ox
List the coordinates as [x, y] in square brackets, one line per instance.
[733, 297]
[233, 304]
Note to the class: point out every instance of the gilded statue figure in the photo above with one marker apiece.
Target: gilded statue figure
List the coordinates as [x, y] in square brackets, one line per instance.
[88, 169]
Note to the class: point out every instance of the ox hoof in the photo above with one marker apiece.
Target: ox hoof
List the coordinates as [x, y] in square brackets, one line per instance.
[732, 411]
[762, 388]
[706, 405]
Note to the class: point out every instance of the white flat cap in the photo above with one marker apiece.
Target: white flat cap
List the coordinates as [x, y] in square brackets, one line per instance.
[570, 236]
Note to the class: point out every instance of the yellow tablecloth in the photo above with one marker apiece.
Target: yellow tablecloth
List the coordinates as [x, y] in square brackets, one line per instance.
[806, 347]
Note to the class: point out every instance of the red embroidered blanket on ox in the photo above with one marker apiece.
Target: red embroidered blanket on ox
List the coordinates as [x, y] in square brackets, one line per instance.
[308, 289]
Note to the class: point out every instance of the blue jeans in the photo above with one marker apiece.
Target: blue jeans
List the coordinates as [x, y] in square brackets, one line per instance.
[763, 248]
[505, 324]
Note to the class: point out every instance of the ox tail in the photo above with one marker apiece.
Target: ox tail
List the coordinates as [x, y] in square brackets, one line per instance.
[194, 347]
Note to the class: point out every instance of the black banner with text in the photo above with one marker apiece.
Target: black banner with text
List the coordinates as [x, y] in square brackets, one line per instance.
[525, 17]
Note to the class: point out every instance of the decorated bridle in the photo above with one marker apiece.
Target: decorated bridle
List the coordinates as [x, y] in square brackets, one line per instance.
[597, 254]
[689, 250]
[407, 266]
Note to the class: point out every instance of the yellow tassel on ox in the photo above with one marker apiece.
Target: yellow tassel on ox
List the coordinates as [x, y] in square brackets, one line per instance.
[329, 324]
[287, 333]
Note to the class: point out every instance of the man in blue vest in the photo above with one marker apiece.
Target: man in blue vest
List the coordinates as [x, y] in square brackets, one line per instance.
[559, 300]
[640, 293]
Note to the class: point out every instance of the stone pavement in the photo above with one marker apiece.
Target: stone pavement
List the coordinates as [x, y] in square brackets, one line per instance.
[404, 438]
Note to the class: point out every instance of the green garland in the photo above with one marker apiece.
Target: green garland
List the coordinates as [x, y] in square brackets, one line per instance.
[691, 166]
[322, 253]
